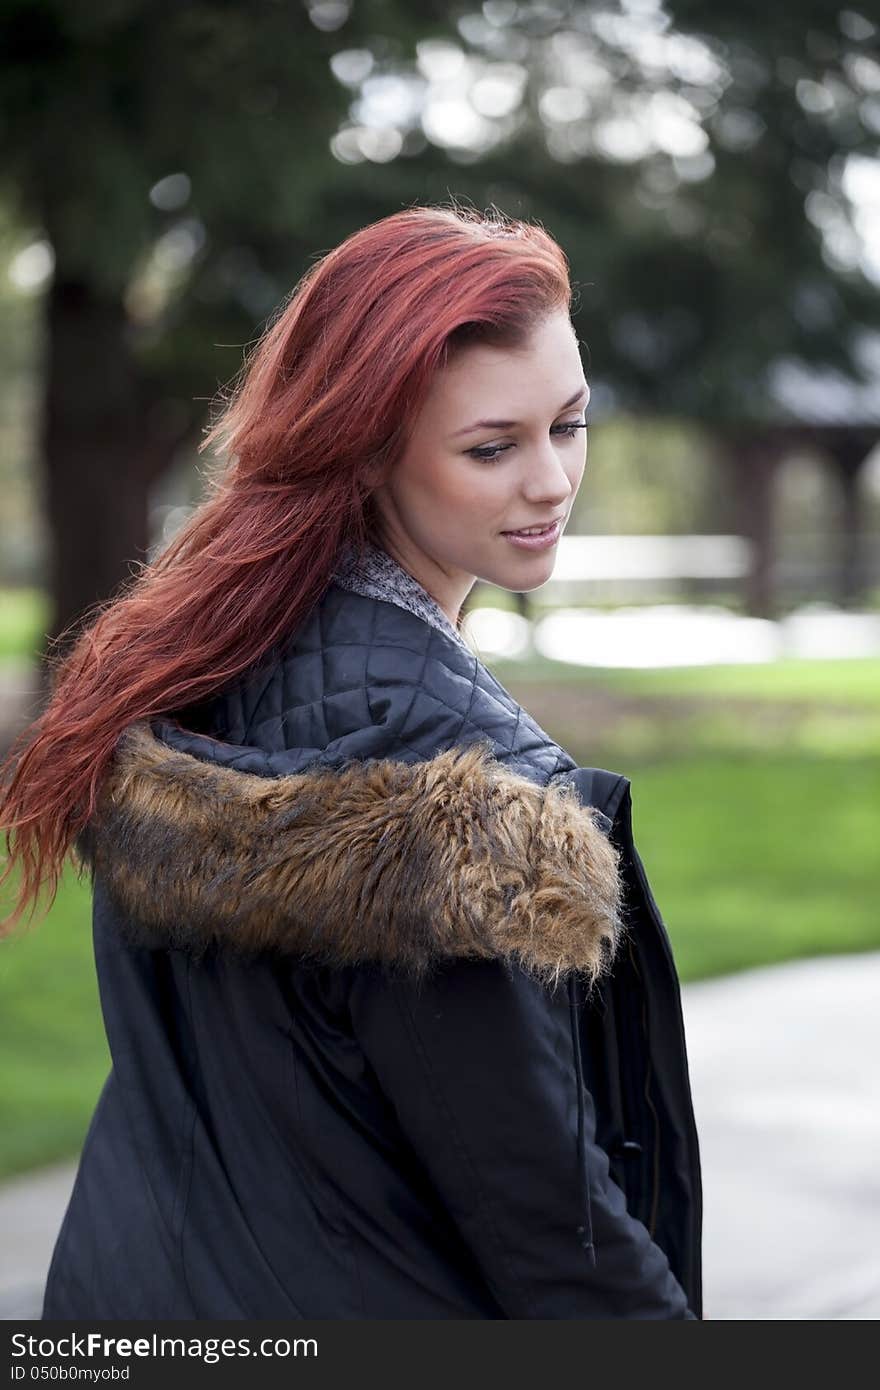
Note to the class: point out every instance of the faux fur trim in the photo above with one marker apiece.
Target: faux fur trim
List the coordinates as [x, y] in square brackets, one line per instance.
[378, 861]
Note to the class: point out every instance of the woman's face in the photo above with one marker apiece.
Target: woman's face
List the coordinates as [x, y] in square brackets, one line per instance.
[499, 445]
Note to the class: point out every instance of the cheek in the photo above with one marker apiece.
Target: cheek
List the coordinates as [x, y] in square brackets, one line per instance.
[486, 491]
[425, 480]
[463, 487]
[577, 467]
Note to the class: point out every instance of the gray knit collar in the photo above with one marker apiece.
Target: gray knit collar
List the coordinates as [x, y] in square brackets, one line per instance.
[376, 574]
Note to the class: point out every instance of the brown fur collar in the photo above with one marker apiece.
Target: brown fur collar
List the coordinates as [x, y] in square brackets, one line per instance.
[377, 862]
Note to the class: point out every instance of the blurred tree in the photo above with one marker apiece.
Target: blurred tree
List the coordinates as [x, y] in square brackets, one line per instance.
[704, 164]
[175, 157]
[711, 167]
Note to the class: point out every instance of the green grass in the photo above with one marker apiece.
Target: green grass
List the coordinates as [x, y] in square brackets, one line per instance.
[756, 797]
[855, 680]
[757, 859]
[53, 1054]
[756, 810]
[24, 614]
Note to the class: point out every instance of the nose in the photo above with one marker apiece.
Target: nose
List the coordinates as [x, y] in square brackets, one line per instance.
[546, 481]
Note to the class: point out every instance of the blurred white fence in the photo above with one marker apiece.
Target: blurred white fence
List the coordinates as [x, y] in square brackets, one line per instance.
[592, 558]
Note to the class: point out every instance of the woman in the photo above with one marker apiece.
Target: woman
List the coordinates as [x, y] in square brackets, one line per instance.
[394, 1022]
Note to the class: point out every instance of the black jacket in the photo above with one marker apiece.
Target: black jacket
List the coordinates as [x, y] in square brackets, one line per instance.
[394, 1022]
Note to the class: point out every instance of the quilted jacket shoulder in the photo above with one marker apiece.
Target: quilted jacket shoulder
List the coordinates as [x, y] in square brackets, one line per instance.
[370, 793]
[363, 677]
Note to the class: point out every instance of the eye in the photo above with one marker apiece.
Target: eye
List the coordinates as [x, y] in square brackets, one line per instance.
[489, 453]
[569, 430]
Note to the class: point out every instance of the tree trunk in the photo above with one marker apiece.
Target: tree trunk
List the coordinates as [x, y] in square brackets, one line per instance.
[98, 454]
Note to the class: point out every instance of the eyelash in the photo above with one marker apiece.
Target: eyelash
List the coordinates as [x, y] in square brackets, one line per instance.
[489, 453]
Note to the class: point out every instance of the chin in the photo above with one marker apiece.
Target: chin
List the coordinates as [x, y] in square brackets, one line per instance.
[531, 573]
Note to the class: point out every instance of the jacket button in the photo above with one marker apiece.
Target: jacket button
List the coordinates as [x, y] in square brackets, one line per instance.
[627, 1148]
[580, 1230]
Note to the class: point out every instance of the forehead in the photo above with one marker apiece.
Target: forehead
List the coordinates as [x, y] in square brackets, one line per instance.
[542, 373]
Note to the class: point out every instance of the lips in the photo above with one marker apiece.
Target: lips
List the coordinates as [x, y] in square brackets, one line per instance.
[534, 526]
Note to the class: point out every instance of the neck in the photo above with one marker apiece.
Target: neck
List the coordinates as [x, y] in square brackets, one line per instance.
[379, 574]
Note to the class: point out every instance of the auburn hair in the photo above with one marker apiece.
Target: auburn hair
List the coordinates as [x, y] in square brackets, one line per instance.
[315, 420]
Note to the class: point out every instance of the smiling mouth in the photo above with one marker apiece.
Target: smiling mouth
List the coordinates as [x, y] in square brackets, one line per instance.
[535, 530]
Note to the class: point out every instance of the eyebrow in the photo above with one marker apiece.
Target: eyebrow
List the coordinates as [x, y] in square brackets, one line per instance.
[509, 424]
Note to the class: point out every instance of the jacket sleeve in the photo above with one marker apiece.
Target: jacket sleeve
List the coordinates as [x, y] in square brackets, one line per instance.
[478, 1063]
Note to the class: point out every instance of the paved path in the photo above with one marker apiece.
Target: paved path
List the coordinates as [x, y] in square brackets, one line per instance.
[786, 1085]
[787, 1095]
[31, 1209]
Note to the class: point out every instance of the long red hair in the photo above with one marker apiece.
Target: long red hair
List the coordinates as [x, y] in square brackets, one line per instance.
[316, 419]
